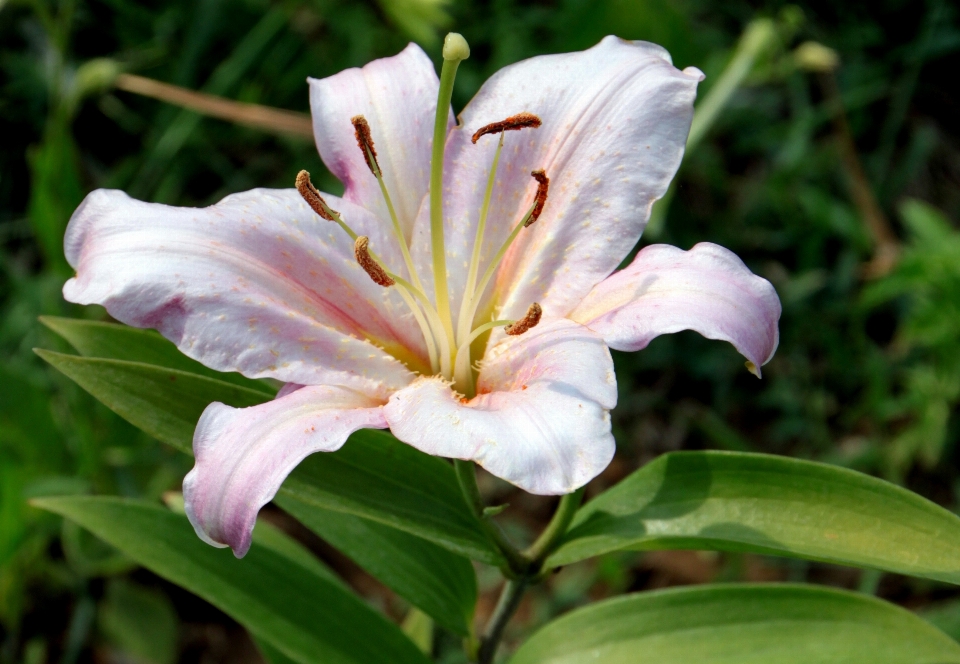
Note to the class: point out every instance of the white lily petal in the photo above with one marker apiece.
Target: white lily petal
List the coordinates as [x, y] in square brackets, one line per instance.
[398, 97]
[665, 290]
[541, 417]
[244, 454]
[256, 283]
[615, 123]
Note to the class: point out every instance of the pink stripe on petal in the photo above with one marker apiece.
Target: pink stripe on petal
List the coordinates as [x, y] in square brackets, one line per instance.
[665, 289]
[244, 454]
[541, 419]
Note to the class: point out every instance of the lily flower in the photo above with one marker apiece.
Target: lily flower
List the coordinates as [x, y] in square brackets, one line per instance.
[463, 292]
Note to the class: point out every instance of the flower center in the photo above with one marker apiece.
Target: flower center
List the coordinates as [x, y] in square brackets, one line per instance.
[448, 346]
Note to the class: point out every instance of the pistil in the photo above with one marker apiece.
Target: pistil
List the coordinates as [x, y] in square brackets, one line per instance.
[455, 49]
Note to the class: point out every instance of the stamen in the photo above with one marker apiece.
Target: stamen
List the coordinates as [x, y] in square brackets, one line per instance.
[534, 312]
[313, 198]
[408, 293]
[370, 266]
[513, 123]
[463, 322]
[543, 184]
[474, 301]
[463, 378]
[361, 130]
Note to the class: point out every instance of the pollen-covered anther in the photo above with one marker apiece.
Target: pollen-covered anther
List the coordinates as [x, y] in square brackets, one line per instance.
[361, 249]
[313, 197]
[513, 123]
[361, 129]
[534, 312]
[543, 184]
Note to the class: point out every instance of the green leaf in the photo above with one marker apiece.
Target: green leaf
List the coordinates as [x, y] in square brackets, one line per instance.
[165, 403]
[140, 621]
[442, 584]
[301, 614]
[373, 476]
[270, 537]
[377, 477]
[121, 342]
[271, 655]
[740, 624]
[731, 501]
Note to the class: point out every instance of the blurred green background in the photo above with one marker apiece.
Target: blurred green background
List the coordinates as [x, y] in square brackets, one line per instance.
[826, 153]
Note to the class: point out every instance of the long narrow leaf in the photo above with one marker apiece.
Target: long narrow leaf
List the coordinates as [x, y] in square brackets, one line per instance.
[301, 614]
[121, 342]
[442, 584]
[732, 501]
[377, 477]
[374, 476]
[165, 403]
[740, 624]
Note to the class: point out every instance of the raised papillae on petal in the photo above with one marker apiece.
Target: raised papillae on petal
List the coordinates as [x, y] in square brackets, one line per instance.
[244, 454]
[540, 418]
[256, 283]
[513, 123]
[665, 289]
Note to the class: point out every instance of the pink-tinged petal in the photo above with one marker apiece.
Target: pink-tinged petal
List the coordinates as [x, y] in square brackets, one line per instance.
[256, 283]
[665, 290]
[288, 388]
[398, 97]
[244, 454]
[615, 123]
[541, 417]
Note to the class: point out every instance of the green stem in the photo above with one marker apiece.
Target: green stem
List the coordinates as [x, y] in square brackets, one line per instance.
[506, 606]
[558, 525]
[524, 565]
[517, 564]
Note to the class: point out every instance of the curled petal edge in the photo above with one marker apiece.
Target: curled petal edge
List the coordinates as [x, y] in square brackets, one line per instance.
[243, 455]
[707, 289]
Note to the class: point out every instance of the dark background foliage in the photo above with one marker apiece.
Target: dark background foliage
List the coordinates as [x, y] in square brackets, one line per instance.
[837, 183]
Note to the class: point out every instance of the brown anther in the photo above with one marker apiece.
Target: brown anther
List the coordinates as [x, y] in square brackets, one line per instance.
[525, 323]
[365, 140]
[312, 196]
[543, 184]
[513, 123]
[362, 252]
